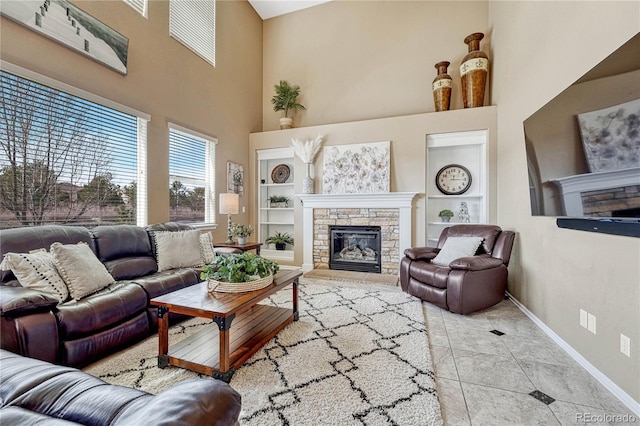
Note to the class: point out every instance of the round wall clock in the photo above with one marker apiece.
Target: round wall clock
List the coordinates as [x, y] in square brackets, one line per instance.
[280, 173]
[453, 179]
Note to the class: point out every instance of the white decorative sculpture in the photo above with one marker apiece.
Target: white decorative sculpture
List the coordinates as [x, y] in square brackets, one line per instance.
[307, 151]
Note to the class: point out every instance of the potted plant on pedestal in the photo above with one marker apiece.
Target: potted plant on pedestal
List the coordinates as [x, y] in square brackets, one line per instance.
[280, 240]
[286, 99]
[241, 232]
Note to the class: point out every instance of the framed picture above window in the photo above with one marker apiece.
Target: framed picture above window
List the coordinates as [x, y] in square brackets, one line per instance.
[235, 178]
[65, 23]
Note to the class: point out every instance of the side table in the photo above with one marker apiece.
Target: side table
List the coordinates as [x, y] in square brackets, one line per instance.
[250, 245]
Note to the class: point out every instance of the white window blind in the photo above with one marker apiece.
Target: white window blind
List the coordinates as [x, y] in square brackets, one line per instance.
[192, 159]
[193, 23]
[139, 5]
[64, 159]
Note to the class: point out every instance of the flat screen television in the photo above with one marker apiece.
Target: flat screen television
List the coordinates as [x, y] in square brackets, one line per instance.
[583, 149]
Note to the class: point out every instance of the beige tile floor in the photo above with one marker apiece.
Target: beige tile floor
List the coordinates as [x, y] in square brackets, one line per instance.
[486, 379]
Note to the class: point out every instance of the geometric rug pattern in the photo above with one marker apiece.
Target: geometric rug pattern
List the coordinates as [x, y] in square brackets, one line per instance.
[354, 357]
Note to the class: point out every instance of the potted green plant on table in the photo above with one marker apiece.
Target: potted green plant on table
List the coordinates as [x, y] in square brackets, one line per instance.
[241, 232]
[445, 215]
[276, 201]
[280, 240]
[286, 99]
[235, 273]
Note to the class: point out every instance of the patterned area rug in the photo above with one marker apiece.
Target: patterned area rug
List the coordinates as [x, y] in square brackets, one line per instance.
[355, 357]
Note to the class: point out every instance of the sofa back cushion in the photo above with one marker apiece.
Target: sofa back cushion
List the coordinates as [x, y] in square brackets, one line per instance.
[125, 250]
[24, 240]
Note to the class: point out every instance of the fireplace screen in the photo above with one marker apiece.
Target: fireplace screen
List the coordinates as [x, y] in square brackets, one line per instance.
[355, 248]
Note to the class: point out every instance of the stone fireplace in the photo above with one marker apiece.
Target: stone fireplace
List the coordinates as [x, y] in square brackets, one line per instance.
[392, 212]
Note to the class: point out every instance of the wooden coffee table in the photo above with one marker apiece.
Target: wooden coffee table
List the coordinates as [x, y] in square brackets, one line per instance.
[219, 351]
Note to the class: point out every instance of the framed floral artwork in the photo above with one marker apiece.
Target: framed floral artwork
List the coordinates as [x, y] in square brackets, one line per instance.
[611, 137]
[235, 178]
[357, 169]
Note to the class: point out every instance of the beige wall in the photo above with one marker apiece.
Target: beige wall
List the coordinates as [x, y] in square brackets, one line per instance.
[539, 49]
[165, 80]
[358, 60]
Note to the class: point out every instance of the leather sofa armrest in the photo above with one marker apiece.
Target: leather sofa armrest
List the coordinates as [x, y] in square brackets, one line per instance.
[476, 263]
[421, 253]
[18, 301]
[191, 402]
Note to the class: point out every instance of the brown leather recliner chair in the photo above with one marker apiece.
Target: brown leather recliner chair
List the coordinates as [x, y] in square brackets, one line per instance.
[468, 284]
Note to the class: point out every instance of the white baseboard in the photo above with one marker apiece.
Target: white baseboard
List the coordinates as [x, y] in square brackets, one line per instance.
[618, 392]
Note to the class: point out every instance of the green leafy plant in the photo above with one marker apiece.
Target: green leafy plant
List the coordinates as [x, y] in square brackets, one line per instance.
[279, 238]
[239, 268]
[286, 98]
[445, 213]
[279, 199]
[240, 230]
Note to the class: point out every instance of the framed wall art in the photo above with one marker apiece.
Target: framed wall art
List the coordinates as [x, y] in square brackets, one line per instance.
[235, 178]
[358, 168]
[65, 23]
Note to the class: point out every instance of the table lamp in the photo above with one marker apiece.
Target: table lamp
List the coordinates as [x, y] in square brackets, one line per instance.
[229, 204]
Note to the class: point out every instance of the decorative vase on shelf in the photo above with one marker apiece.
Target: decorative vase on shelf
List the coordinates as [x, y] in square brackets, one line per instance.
[473, 72]
[307, 183]
[441, 86]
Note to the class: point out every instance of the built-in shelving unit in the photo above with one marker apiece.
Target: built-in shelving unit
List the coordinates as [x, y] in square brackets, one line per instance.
[468, 149]
[274, 219]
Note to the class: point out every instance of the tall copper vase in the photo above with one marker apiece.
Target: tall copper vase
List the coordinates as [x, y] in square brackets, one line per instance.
[441, 86]
[473, 72]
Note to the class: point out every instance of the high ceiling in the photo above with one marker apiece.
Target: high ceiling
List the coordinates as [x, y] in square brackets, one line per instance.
[270, 8]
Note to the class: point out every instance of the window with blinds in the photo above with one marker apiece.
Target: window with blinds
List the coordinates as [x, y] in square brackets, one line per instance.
[66, 160]
[139, 5]
[192, 159]
[193, 23]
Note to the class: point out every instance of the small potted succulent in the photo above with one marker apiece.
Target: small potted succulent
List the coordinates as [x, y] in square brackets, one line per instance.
[280, 240]
[241, 231]
[279, 201]
[445, 215]
[286, 99]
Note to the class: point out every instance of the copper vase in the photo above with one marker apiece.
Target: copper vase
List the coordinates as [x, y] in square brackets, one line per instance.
[473, 72]
[441, 86]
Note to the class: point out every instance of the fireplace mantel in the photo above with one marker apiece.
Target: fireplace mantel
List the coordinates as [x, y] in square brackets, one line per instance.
[403, 201]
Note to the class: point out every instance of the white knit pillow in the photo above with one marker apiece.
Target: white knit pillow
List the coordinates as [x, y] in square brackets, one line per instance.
[80, 269]
[179, 249]
[36, 270]
[207, 252]
[455, 248]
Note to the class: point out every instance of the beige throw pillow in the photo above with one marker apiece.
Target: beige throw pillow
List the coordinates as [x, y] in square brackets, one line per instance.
[37, 271]
[455, 248]
[207, 252]
[81, 270]
[179, 249]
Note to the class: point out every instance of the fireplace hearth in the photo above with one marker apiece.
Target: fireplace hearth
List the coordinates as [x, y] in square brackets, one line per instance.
[355, 248]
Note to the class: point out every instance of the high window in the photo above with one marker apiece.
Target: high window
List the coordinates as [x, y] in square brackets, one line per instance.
[192, 159]
[193, 23]
[67, 160]
[139, 5]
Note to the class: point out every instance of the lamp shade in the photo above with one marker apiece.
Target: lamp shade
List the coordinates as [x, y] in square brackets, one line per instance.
[229, 203]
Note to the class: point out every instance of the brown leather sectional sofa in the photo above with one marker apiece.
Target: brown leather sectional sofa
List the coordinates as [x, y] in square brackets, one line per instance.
[76, 333]
[37, 392]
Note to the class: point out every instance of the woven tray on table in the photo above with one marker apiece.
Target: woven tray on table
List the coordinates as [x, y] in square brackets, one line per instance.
[226, 287]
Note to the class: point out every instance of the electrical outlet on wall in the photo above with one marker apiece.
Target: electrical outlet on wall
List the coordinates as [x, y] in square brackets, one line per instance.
[625, 345]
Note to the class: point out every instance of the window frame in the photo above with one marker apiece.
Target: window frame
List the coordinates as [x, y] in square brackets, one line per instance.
[210, 217]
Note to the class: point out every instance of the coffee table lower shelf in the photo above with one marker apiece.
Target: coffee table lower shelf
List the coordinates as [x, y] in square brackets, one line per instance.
[249, 331]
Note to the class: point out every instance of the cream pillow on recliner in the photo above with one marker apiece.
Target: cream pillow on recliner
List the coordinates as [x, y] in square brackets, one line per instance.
[36, 270]
[80, 269]
[177, 249]
[455, 248]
